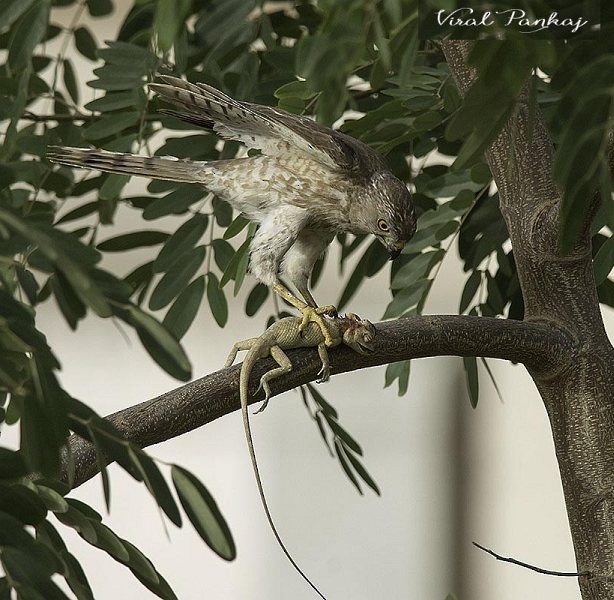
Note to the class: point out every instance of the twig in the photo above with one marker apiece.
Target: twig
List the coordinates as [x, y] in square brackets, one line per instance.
[532, 567]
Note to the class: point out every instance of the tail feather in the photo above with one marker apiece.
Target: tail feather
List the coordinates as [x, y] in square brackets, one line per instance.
[168, 168]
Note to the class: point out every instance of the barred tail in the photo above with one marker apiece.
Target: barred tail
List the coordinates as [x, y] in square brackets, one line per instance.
[169, 168]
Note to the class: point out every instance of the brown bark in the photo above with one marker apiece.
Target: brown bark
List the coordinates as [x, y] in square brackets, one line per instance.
[560, 291]
[215, 395]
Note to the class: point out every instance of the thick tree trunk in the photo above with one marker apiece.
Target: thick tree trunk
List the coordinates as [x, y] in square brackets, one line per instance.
[560, 291]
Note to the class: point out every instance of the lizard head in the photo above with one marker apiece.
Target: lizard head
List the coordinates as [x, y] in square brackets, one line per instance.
[359, 334]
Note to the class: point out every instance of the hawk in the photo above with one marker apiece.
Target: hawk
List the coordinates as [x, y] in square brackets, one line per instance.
[307, 184]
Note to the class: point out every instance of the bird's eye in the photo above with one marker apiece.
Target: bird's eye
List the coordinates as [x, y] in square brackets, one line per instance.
[383, 225]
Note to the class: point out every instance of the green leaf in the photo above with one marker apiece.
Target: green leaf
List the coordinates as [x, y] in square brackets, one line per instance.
[114, 101]
[471, 371]
[222, 212]
[22, 503]
[129, 241]
[343, 435]
[170, 15]
[203, 512]
[239, 223]
[160, 344]
[28, 33]
[363, 473]
[342, 457]
[398, 371]
[70, 81]
[181, 242]
[85, 43]
[217, 300]
[12, 465]
[604, 261]
[156, 484]
[256, 299]
[184, 310]
[109, 125]
[471, 287]
[233, 265]
[175, 203]
[11, 10]
[99, 8]
[223, 253]
[176, 278]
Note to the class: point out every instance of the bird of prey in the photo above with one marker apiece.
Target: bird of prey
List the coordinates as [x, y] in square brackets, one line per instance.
[308, 183]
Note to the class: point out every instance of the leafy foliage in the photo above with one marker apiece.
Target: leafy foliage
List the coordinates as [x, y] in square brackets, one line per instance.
[318, 58]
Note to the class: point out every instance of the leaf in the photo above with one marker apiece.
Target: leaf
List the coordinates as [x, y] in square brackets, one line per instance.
[177, 278]
[256, 299]
[398, 370]
[233, 265]
[327, 409]
[99, 8]
[109, 125]
[203, 512]
[239, 223]
[85, 43]
[170, 15]
[156, 484]
[181, 242]
[70, 81]
[114, 101]
[175, 203]
[217, 300]
[341, 456]
[223, 253]
[160, 344]
[222, 212]
[343, 435]
[12, 465]
[129, 241]
[185, 308]
[11, 10]
[471, 287]
[28, 33]
[363, 473]
[471, 371]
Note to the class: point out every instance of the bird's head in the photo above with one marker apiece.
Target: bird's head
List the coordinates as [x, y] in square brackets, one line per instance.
[359, 334]
[387, 212]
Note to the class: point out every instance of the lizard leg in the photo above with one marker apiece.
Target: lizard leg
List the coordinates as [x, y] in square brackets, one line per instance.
[325, 370]
[310, 314]
[285, 366]
[244, 345]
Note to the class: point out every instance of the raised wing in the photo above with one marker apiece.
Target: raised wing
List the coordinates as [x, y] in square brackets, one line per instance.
[273, 131]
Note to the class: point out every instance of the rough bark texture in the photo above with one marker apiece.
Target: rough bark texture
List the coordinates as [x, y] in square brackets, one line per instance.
[560, 291]
[215, 395]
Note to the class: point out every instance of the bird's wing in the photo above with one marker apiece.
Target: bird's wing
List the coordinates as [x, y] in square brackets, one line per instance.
[271, 130]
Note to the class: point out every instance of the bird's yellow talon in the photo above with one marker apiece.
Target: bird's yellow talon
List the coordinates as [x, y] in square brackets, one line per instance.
[314, 315]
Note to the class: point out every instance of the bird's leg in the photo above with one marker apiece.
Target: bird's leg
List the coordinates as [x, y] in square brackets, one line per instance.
[311, 314]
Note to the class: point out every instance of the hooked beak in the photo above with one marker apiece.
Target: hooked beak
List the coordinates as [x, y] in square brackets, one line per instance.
[395, 250]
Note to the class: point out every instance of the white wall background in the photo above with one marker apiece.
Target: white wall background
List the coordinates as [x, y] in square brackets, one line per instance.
[449, 474]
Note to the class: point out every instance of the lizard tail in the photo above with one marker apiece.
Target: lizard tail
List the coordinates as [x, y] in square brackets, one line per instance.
[246, 370]
[171, 169]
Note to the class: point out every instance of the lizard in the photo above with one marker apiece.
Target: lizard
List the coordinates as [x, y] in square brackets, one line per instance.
[285, 334]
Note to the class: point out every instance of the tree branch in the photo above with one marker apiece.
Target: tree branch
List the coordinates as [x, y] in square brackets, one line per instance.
[540, 347]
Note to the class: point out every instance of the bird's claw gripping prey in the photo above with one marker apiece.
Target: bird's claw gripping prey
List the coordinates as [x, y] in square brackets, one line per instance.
[308, 183]
[317, 316]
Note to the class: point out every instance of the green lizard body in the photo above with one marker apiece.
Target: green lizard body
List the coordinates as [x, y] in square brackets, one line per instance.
[285, 334]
